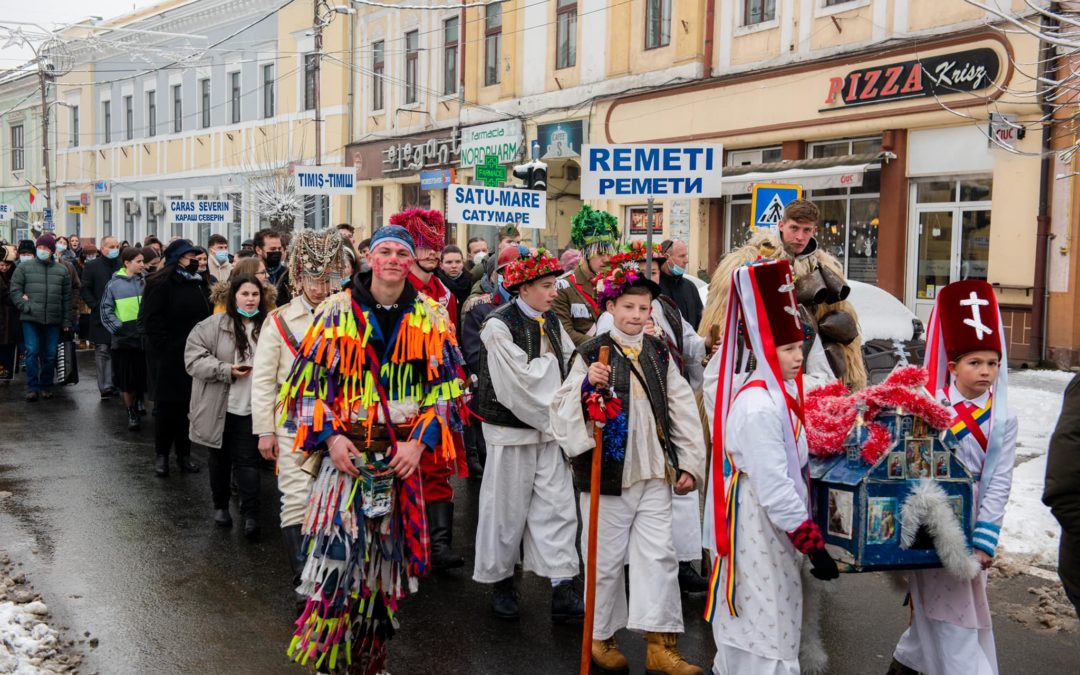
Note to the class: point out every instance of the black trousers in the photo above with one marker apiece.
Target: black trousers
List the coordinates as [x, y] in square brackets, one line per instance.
[239, 456]
[171, 428]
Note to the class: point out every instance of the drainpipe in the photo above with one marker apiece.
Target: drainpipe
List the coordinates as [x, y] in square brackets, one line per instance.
[710, 22]
[1047, 67]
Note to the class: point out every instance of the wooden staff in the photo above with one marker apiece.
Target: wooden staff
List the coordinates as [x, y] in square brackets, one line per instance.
[590, 559]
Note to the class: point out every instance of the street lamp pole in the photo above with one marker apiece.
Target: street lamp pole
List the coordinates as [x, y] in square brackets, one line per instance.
[316, 68]
[43, 80]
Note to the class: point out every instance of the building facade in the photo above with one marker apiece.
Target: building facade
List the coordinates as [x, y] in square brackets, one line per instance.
[22, 173]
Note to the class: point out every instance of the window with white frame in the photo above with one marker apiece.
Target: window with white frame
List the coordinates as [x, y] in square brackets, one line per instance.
[178, 108]
[106, 120]
[738, 218]
[758, 11]
[129, 117]
[129, 220]
[378, 70]
[657, 23]
[451, 38]
[492, 44]
[234, 97]
[204, 102]
[74, 126]
[376, 207]
[268, 90]
[565, 33]
[236, 225]
[412, 61]
[18, 150]
[848, 227]
[150, 203]
[310, 73]
[106, 218]
[151, 113]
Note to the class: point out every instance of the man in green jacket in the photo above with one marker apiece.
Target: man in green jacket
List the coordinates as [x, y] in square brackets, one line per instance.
[41, 290]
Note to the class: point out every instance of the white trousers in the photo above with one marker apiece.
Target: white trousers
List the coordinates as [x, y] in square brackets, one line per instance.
[731, 660]
[293, 483]
[635, 526]
[526, 498]
[686, 526]
[940, 648]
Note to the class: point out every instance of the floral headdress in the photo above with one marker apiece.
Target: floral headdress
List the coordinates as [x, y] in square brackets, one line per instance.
[594, 232]
[635, 252]
[611, 285]
[530, 268]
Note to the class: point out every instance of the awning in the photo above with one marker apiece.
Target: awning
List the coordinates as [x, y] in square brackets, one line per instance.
[811, 174]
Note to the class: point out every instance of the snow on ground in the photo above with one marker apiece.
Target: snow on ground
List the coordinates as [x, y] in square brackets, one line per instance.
[1030, 533]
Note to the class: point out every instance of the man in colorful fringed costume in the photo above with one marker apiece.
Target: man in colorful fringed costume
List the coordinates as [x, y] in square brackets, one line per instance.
[527, 495]
[428, 232]
[314, 272]
[688, 350]
[596, 234]
[757, 513]
[652, 442]
[375, 387]
[951, 630]
[832, 347]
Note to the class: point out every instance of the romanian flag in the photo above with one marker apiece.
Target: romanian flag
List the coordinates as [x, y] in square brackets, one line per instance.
[33, 194]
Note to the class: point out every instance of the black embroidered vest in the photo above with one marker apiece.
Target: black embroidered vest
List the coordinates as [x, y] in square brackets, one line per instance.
[526, 334]
[654, 360]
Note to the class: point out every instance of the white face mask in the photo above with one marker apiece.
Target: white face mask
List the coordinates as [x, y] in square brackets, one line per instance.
[479, 257]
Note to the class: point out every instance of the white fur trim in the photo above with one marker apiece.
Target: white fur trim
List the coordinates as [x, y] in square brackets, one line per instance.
[928, 505]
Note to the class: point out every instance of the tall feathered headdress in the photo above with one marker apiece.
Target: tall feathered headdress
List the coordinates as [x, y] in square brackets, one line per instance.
[594, 232]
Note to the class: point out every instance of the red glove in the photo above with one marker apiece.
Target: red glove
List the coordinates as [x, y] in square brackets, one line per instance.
[807, 537]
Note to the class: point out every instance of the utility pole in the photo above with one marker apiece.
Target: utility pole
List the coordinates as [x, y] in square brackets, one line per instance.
[43, 80]
[316, 68]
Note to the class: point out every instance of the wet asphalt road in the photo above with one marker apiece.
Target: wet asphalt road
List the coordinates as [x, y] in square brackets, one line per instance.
[136, 561]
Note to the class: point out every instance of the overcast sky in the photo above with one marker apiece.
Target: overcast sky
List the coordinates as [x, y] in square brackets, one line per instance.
[51, 14]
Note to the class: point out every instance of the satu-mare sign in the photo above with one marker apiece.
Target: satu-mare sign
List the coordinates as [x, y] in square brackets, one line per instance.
[198, 211]
[653, 170]
[324, 180]
[478, 205]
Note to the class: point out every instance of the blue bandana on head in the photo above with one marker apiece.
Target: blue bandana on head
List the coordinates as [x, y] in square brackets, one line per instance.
[394, 233]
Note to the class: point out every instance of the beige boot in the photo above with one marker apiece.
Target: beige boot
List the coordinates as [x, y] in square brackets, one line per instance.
[662, 657]
[606, 655]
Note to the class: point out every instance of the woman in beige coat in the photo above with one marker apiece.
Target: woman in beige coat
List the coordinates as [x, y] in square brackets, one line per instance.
[219, 354]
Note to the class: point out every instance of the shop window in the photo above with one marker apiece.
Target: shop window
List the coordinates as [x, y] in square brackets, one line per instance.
[176, 229]
[758, 11]
[378, 65]
[451, 39]
[376, 208]
[492, 44]
[565, 33]
[236, 226]
[657, 23]
[129, 220]
[976, 189]
[151, 216]
[738, 214]
[412, 196]
[316, 212]
[106, 218]
[412, 60]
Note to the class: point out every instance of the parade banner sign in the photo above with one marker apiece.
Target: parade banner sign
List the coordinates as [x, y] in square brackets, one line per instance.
[654, 170]
[768, 203]
[181, 211]
[502, 139]
[6, 212]
[479, 205]
[324, 180]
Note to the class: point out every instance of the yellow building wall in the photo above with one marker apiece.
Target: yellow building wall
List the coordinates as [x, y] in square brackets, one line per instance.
[842, 28]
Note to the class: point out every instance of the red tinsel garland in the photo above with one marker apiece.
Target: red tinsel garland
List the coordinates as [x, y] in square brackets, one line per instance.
[831, 412]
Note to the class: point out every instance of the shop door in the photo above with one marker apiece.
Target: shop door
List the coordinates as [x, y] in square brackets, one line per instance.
[950, 244]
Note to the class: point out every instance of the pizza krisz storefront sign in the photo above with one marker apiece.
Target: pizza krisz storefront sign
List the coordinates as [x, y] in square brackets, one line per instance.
[938, 75]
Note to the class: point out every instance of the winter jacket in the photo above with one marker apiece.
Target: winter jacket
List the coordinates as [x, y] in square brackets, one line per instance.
[47, 287]
[120, 310]
[1062, 490]
[95, 277]
[208, 357]
[76, 289]
[171, 306]
[10, 326]
[685, 294]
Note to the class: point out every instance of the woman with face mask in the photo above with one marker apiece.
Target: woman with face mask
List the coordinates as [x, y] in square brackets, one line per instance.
[219, 355]
[176, 298]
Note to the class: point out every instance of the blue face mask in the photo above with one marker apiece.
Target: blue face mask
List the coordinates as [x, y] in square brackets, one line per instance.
[221, 256]
[113, 254]
[246, 314]
[24, 258]
[677, 271]
[60, 248]
[44, 255]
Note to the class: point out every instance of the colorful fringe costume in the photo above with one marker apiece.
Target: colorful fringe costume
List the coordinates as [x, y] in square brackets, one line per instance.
[361, 560]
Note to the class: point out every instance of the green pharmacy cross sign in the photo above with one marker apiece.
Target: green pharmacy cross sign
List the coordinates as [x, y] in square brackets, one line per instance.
[491, 173]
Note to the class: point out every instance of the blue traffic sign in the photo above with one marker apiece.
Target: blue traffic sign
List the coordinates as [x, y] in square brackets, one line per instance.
[769, 201]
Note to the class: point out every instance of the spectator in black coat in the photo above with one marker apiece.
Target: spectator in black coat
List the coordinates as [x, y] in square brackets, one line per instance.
[95, 277]
[176, 298]
[675, 285]
[1062, 490]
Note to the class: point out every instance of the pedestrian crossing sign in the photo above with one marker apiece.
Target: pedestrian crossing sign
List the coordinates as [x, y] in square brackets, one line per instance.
[768, 204]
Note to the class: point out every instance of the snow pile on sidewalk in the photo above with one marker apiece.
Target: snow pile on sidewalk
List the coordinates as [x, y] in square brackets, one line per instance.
[28, 645]
[1030, 534]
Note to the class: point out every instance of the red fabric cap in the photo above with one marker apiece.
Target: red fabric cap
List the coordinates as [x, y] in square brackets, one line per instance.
[776, 285]
[507, 256]
[970, 319]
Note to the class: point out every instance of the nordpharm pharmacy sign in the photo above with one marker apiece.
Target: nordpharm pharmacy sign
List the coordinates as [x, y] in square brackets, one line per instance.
[502, 139]
[654, 170]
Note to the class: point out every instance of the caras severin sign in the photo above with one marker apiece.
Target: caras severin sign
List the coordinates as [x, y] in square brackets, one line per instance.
[939, 75]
